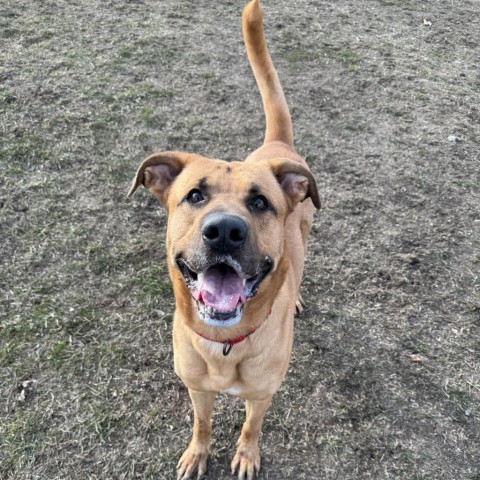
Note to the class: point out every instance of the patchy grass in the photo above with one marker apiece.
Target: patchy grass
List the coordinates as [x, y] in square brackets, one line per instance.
[350, 58]
[384, 380]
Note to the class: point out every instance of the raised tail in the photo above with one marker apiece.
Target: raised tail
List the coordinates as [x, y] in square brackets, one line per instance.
[279, 124]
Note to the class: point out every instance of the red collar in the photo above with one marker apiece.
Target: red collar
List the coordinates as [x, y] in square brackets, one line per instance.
[227, 344]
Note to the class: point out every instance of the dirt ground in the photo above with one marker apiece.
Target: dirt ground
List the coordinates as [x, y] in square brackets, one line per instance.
[384, 381]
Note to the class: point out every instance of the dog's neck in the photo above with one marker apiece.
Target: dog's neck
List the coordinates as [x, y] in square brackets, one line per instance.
[228, 344]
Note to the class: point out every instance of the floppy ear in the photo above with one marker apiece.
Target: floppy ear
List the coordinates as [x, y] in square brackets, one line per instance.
[157, 172]
[296, 181]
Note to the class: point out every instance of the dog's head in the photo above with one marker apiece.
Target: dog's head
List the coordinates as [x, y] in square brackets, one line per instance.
[225, 224]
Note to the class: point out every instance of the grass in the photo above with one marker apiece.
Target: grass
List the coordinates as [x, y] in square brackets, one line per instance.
[298, 53]
[349, 58]
[86, 306]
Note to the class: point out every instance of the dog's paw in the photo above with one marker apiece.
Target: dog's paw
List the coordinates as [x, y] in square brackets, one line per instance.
[194, 459]
[247, 461]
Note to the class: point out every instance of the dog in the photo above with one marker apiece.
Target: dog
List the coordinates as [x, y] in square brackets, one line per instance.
[236, 242]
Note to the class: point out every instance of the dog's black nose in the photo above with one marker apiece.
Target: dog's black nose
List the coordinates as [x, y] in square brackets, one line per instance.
[224, 232]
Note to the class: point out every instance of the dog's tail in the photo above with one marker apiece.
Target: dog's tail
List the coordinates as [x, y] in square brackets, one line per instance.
[279, 124]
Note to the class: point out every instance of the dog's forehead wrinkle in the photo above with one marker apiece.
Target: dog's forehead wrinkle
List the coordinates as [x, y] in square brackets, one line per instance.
[241, 183]
[254, 189]
[203, 183]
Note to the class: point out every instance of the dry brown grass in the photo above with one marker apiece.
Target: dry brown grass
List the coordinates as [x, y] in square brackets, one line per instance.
[89, 88]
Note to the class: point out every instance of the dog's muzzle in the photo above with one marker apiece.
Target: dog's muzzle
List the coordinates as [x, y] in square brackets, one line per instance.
[222, 274]
[221, 289]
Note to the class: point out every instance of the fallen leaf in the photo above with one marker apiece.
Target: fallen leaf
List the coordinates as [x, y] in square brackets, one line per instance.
[410, 258]
[416, 358]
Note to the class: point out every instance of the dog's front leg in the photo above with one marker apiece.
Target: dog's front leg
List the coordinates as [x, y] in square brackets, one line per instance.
[247, 457]
[194, 459]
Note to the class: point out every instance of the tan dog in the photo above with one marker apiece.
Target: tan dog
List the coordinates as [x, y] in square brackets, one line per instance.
[236, 242]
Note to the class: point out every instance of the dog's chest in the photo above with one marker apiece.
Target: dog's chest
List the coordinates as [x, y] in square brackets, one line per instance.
[222, 375]
[223, 384]
[235, 390]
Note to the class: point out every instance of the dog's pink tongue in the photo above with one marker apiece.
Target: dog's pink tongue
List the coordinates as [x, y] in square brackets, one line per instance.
[221, 288]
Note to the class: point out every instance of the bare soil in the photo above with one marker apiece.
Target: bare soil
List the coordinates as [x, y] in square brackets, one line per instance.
[385, 95]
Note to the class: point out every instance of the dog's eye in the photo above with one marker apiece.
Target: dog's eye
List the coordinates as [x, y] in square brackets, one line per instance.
[260, 203]
[195, 196]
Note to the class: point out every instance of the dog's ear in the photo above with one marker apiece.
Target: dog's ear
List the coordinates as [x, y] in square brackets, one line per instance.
[296, 181]
[157, 172]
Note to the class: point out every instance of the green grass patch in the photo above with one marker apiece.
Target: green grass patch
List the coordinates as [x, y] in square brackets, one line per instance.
[331, 315]
[329, 444]
[103, 259]
[349, 58]
[297, 53]
[144, 92]
[20, 440]
[60, 351]
[153, 283]
[7, 96]
[147, 116]
[144, 53]
[209, 75]
[22, 153]
[460, 398]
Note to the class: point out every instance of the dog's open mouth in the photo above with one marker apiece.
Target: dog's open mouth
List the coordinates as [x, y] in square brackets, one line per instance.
[221, 290]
